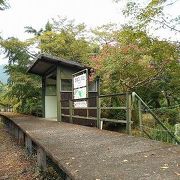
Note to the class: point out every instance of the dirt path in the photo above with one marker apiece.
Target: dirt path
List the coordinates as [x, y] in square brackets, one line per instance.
[14, 162]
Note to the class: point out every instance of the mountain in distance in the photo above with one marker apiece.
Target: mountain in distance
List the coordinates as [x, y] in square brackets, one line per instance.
[3, 75]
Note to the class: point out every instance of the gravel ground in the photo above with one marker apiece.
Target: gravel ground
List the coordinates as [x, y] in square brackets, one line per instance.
[14, 162]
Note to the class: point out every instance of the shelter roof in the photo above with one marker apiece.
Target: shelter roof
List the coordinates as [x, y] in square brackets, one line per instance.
[45, 62]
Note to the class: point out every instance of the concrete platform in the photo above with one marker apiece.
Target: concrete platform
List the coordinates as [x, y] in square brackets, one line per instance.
[87, 153]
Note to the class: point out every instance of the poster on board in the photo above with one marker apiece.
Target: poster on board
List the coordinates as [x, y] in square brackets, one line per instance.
[80, 89]
[79, 81]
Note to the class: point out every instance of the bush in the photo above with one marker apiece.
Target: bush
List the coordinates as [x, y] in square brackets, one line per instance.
[170, 116]
[158, 133]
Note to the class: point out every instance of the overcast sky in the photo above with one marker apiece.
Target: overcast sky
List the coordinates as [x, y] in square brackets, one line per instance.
[36, 13]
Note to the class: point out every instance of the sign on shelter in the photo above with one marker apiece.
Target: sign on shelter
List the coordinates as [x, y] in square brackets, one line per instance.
[80, 88]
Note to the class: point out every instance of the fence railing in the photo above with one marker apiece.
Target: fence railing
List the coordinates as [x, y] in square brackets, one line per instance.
[152, 126]
[101, 104]
[115, 104]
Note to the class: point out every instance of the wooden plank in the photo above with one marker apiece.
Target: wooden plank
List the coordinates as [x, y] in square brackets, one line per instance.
[16, 132]
[21, 137]
[28, 144]
[140, 116]
[86, 108]
[98, 104]
[123, 108]
[41, 158]
[128, 113]
[113, 120]
[80, 117]
[70, 111]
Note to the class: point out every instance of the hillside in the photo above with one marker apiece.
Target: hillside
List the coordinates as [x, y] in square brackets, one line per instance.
[3, 75]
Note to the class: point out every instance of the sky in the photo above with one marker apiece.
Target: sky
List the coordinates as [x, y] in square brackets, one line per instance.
[36, 13]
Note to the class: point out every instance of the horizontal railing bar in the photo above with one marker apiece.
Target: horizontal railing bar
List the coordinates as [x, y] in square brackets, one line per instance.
[94, 118]
[114, 108]
[113, 120]
[64, 107]
[85, 108]
[111, 95]
[65, 115]
[80, 108]
[80, 117]
[82, 99]
[100, 96]
[124, 108]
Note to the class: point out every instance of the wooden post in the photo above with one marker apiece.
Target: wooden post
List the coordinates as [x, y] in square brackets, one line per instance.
[70, 111]
[21, 137]
[43, 95]
[28, 144]
[12, 129]
[16, 131]
[98, 111]
[177, 131]
[128, 113]
[58, 92]
[41, 158]
[98, 104]
[140, 115]
[87, 91]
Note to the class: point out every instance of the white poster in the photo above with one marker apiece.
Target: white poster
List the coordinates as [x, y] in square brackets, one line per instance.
[80, 81]
[80, 104]
[80, 90]
[80, 93]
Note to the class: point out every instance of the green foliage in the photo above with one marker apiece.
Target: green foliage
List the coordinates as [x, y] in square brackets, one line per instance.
[134, 60]
[3, 5]
[151, 14]
[126, 60]
[170, 116]
[22, 88]
[64, 45]
[159, 134]
[16, 51]
[61, 38]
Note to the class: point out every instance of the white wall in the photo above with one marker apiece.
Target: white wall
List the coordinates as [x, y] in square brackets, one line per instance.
[51, 107]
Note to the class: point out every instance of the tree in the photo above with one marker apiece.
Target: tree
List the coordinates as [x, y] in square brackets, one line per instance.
[152, 14]
[23, 90]
[16, 51]
[3, 5]
[135, 61]
[31, 30]
[64, 39]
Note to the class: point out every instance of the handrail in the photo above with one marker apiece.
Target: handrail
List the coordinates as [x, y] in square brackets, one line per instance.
[126, 107]
[134, 95]
[100, 96]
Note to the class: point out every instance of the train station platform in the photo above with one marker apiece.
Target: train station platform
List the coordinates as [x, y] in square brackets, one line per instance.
[86, 153]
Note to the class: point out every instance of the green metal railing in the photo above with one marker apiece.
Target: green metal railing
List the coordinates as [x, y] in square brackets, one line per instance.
[100, 106]
[159, 131]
